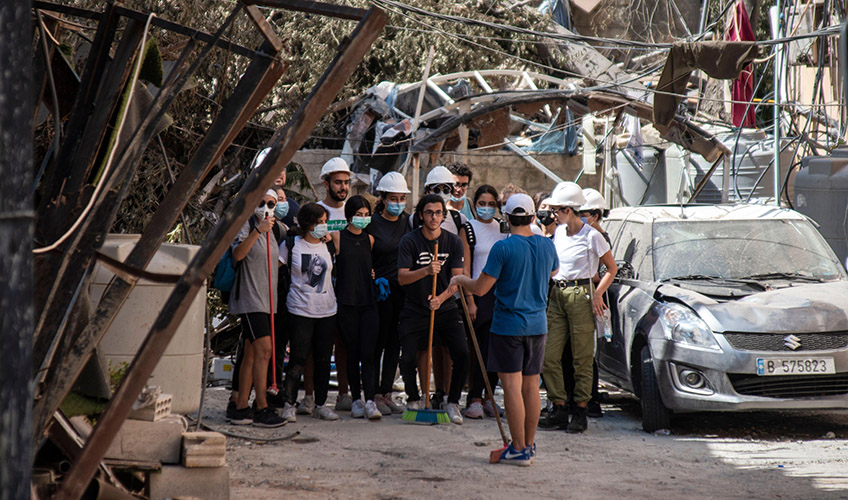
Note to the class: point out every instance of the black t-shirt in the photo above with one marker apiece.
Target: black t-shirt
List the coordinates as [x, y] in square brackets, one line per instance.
[387, 235]
[416, 252]
[354, 286]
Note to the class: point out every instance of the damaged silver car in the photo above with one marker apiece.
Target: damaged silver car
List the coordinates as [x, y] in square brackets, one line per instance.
[724, 308]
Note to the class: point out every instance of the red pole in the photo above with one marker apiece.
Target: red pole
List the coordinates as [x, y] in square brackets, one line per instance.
[271, 300]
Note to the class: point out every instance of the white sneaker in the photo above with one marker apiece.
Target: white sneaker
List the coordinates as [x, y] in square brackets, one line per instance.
[289, 412]
[475, 411]
[414, 405]
[372, 411]
[357, 409]
[307, 405]
[324, 412]
[344, 403]
[392, 404]
[454, 413]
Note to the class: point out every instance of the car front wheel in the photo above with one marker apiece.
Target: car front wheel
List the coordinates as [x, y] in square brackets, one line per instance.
[655, 415]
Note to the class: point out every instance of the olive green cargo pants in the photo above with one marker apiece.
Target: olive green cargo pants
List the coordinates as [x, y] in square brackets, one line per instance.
[570, 319]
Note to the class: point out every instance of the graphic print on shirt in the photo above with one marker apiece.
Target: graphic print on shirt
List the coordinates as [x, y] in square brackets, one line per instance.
[425, 258]
[314, 268]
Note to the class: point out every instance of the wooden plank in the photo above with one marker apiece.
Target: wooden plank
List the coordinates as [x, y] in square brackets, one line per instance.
[258, 80]
[325, 9]
[264, 27]
[295, 134]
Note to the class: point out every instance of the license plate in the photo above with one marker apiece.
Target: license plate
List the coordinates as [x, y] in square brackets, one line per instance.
[795, 366]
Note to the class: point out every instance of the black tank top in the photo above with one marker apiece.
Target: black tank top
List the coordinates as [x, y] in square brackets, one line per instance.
[354, 286]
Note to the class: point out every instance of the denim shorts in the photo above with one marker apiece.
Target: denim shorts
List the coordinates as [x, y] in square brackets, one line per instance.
[516, 353]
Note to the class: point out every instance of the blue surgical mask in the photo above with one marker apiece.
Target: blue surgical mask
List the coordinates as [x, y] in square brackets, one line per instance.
[360, 222]
[457, 200]
[583, 220]
[319, 231]
[281, 210]
[486, 213]
[395, 208]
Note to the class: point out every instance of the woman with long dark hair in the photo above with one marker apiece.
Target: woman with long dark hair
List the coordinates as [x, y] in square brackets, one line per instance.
[312, 308]
[478, 237]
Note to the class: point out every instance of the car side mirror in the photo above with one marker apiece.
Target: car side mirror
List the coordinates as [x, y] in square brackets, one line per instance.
[625, 270]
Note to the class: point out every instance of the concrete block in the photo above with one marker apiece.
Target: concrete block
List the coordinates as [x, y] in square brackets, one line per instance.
[140, 440]
[204, 449]
[160, 409]
[176, 481]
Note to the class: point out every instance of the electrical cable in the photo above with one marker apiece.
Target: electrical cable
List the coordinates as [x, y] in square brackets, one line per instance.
[104, 176]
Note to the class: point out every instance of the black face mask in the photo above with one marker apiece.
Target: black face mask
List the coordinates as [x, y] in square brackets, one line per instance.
[545, 217]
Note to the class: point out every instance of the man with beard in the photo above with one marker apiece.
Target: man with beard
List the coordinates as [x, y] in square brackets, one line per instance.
[336, 177]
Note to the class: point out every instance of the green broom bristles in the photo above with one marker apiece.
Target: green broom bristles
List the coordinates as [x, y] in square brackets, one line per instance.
[426, 416]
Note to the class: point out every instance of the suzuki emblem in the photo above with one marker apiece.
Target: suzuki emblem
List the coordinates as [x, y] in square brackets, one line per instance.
[792, 342]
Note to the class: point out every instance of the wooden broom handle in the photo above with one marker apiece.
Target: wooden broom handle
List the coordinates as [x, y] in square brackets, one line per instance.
[430, 340]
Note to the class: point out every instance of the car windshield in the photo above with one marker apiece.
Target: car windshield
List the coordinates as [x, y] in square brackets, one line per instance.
[736, 249]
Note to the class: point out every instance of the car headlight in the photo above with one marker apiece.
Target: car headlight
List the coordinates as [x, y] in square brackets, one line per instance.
[681, 324]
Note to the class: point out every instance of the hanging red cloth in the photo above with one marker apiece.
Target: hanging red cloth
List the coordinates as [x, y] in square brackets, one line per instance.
[742, 88]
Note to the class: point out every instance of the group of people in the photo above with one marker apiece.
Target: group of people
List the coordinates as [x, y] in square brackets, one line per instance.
[359, 281]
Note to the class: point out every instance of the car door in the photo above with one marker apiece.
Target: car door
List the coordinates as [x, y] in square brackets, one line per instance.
[631, 244]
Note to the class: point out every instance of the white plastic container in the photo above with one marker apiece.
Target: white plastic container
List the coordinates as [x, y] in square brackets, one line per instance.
[180, 371]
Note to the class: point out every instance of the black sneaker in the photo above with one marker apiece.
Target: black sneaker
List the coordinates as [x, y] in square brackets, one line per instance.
[231, 410]
[436, 400]
[275, 400]
[594, 409]
[267, 417]
[243, 416]
[557, 417]
[578, 422]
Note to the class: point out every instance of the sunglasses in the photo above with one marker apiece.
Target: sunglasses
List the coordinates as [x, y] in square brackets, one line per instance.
[441, 190]
[270, 203]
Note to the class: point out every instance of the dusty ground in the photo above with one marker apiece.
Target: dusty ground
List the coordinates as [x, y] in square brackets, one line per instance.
[752, 455]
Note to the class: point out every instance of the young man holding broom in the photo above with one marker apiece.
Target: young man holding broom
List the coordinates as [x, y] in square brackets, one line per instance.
[519, 268]
[418, 264]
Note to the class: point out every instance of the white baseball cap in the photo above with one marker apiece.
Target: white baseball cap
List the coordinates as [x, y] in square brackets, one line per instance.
[519, 204]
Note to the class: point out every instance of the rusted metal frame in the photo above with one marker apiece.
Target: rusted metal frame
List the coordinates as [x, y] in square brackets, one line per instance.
[700, 186]
[164, 24]
[84, 101]
[60, 216]
[108, 98]
[258, 80]
[216, 243]
[78, 254]
[264, 27]
[325, 9]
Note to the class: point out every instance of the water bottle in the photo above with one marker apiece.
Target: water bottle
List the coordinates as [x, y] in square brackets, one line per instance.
[607, 326]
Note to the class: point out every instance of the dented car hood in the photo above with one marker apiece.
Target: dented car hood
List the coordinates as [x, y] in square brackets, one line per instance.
[801, 308]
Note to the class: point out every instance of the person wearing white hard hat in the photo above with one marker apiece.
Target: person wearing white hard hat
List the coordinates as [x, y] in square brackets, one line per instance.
[335, 175]
[572, 302]
[388, 225]
[518, 268]
[591, 213]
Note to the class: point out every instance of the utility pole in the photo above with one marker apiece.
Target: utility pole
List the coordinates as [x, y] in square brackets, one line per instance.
[16, 232]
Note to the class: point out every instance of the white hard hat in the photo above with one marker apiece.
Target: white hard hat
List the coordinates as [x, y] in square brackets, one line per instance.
[332, 166]
[393, 182]
[594, 200]
[259, 158]
[568, 194]
[439, 175]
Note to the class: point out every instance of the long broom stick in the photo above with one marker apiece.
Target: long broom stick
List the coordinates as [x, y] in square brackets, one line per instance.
[271, 300]
[430, 340]
[494, 455]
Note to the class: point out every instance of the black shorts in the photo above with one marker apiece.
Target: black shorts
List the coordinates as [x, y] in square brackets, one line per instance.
[254, 326]
[448, 326]
[516, 353]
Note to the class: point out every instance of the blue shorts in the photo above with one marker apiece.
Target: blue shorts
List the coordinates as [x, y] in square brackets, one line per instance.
[516, 353]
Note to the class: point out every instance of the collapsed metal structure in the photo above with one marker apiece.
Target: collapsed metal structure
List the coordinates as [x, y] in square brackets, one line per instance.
[75, 218]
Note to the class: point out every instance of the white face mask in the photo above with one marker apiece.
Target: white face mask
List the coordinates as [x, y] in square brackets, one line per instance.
[263, 212]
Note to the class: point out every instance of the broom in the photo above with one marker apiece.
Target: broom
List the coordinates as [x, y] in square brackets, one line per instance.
[494, 455]
[428, 415]
[273, 389]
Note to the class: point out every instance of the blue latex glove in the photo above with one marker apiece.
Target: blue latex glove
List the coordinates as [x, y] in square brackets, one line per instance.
[383, 289]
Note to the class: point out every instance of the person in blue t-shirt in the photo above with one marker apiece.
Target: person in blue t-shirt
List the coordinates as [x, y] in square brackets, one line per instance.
[519, 268]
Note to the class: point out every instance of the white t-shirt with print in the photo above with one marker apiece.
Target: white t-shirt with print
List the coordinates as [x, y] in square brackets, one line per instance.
[579, 254]
[336, 219]
[311, 293]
